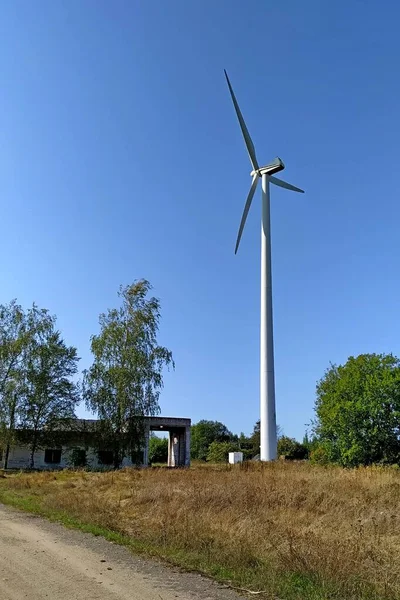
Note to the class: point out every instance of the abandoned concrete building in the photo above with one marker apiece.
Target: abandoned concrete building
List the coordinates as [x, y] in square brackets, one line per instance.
[60, 455]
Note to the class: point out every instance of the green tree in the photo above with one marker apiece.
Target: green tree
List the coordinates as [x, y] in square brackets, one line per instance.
[218, 451]
[35, 371]
[158, 450]
[291, 449]
[311, 443]
[124, 382]
[245, 445]
[358, 411]
[19, 333]
[256, 440]
[13, 341]
[204, 433]
[49, 393]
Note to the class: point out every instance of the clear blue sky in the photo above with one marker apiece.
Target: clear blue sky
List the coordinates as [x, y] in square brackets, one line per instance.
[121, 158]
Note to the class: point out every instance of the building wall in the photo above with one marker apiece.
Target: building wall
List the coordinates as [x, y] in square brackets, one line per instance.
[19, 459]
[179, 448]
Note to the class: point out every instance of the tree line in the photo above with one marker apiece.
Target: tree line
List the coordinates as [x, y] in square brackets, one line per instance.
[39, 389]
[357, 406]
[211, 441]
[357, 420]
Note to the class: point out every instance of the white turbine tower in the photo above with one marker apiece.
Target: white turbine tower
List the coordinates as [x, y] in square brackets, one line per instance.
[268, 447]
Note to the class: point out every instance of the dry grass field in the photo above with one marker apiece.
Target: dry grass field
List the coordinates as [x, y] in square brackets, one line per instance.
[292, 531]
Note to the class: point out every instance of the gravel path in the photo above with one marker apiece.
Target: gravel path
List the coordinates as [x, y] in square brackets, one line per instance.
[42, 560]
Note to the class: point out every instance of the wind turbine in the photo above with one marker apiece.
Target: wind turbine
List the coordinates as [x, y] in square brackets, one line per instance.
[268, 446]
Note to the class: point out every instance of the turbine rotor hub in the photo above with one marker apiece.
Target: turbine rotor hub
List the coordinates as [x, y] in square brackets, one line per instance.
[273, 167]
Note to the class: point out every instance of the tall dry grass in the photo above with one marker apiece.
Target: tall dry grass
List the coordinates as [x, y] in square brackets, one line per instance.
[265, 524]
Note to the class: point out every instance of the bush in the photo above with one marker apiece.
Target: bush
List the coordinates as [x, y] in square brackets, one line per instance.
[291, 449]
[203, 434]
[320, 456]
[218, 451]
[158, 450]
[78, 458]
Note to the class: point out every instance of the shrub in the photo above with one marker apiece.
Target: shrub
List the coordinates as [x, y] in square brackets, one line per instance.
[291, 449]
[78, 458]
[218, 451]
[320, 456]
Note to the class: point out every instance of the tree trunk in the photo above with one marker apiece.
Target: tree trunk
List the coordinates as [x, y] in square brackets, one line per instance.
[10, 431]
[33, 450]
[6, 455]
[32, 458]
[117, 456]
[117, 445]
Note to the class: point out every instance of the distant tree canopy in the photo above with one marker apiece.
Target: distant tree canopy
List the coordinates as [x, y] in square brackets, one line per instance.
[204, 433]
[212, 441]
[358, 411]
[158, 450]
[357, 404]
[124, 382]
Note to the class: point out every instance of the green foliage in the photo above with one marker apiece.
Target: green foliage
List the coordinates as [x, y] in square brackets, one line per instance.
[124, 382]
[14, 337]
[319, 456]
[50, 394]
[245, 445]
[78, 458]
[203, 434]
[36, 368]
[291, 449]
[358, 411]
[158, 450]
[218, 451]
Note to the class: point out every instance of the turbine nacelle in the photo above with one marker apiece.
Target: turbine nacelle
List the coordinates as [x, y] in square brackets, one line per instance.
[274, 167]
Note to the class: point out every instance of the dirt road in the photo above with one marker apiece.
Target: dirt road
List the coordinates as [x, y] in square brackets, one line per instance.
[44, 560]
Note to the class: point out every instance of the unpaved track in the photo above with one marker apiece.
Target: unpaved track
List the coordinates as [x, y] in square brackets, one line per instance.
[39, 560]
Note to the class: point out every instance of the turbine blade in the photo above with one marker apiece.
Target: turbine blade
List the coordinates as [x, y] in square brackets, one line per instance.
[287, 186]
[246, 210]
[247, 139]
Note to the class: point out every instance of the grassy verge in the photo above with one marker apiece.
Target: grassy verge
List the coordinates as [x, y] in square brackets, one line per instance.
[295, 532]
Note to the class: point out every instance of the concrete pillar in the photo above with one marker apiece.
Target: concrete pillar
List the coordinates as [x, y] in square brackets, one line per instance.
[173, 449]
[169, 449]
[179, 448]
[146, 447]
[182, 449]
[187, 447]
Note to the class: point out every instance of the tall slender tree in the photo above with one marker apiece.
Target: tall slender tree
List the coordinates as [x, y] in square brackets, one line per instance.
[15, 334]
[36, 370]
[50, 393]
[124, 382]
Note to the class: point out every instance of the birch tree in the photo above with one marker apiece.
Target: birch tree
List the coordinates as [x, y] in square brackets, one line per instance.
[50, 392]
[123, 384]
